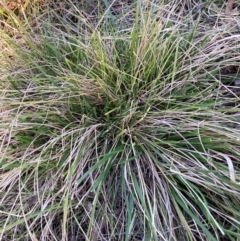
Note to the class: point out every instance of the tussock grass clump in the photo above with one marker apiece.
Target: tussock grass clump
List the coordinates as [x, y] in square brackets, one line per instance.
[116, 134]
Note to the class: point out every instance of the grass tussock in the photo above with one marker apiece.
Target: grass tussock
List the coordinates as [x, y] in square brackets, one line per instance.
[121, 128]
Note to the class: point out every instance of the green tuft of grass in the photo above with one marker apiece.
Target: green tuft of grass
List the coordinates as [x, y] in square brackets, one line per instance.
[120, 132]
